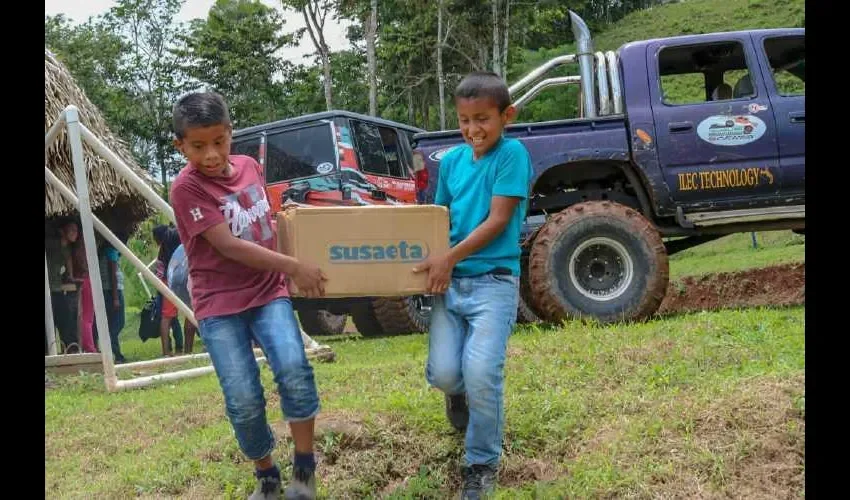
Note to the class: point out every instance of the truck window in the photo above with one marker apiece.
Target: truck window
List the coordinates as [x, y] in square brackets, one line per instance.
[378, 149]
[300, 152]
[248, 147]
[695, 74]
[787, 58]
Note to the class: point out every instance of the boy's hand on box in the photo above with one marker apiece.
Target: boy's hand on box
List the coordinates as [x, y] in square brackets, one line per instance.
[439, 269]
[310, 280]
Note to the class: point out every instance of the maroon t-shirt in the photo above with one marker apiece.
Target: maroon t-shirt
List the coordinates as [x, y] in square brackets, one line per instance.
[221, 286]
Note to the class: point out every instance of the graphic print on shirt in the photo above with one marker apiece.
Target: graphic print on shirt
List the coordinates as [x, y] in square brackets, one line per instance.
[196, 214]
[242, 209]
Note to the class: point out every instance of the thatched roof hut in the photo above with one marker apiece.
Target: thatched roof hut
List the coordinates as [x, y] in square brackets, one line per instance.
[117, 204]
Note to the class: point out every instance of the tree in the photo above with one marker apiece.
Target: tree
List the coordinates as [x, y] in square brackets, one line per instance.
[315, 14]
[406, 56]
[365, 13]
[371, 58]
[350, 89]
[93, 54]
[234, 51]
[155, 76]
[501, 30]
[441, 82]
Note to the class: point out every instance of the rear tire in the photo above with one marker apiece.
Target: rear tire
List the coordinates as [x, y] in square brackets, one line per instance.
[525, 310]
[320, 322]
[402, 315]
[363, 315]
[393, 316]
[598, 259]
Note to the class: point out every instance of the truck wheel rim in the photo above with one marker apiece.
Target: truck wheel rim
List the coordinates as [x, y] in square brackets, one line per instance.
[601, 269]
[422, 304]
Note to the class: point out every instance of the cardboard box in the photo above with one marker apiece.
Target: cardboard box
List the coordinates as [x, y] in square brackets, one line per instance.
[365, 251]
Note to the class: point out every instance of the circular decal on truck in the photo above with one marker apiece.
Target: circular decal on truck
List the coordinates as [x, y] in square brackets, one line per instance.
[325, 168]
[722, 130]
[440, 153]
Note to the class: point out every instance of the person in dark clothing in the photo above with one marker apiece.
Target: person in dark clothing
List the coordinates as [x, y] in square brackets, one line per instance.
[168, 240]
[112, 280]
[63, 290]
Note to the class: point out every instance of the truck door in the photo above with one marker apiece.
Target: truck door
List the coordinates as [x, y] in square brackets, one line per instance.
[783, 61]
[716, 138]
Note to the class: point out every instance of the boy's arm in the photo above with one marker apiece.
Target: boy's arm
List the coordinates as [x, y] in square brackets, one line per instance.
[440, 267]
[511, 186]
[198, 214]
[308, 277]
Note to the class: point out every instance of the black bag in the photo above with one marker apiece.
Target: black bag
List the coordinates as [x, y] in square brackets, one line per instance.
[149, 321]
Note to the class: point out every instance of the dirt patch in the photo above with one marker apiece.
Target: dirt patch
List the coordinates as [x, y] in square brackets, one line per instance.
[359, 454]
[342, 429]
[783, 285]
[750, 444]
[517, 471]
[362, 456]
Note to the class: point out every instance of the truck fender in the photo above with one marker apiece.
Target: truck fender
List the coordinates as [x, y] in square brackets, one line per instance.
[621, 157]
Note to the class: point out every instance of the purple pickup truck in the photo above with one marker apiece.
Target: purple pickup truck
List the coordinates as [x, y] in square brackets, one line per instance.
[680, 141]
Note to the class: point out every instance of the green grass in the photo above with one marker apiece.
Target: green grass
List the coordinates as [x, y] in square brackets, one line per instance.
[713, 402]
[735, 253]
[707, 404]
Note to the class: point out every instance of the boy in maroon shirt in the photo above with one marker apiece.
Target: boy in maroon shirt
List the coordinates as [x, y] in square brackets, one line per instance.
[239, 291]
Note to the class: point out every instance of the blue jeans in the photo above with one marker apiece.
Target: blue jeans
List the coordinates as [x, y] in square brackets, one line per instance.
[228, 342]
[116, 321]
[470, 326]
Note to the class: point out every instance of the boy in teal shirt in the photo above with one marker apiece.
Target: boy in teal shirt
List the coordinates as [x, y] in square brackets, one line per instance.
[485, 185]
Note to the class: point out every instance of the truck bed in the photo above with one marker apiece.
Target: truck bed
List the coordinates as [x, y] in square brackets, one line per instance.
[549, 143]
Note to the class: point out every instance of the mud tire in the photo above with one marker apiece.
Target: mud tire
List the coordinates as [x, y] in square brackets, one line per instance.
[602, 242]
[316, 322]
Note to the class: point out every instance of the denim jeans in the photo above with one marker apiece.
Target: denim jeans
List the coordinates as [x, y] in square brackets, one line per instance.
[116, 321]
[470, 326]
[228, 342]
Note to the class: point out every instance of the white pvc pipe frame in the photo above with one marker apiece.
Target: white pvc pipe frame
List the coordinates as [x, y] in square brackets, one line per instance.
[77, 133]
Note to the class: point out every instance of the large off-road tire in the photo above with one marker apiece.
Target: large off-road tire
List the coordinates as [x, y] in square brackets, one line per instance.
[601, 260]
[321, 322]
[393, 316]
[363, 315]
[525, 311]
[401, 315]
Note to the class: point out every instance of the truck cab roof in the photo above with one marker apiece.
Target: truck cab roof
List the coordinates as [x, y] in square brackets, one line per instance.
[638, 46]
[324, 115]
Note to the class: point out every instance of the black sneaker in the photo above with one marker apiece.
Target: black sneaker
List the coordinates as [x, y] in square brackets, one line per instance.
[303, 485]
[457, 411]
[479, 481]
[268, 488]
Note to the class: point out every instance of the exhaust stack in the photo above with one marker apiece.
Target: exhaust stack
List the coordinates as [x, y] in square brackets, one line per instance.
[584, 51]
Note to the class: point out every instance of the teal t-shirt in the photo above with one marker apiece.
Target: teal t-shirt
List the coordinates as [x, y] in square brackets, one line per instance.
[466, 187]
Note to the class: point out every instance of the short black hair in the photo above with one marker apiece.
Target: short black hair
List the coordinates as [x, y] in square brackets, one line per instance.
[484, 84]
[199, 109]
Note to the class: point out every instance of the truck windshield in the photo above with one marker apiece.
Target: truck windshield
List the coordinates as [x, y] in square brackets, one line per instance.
[302, 152]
